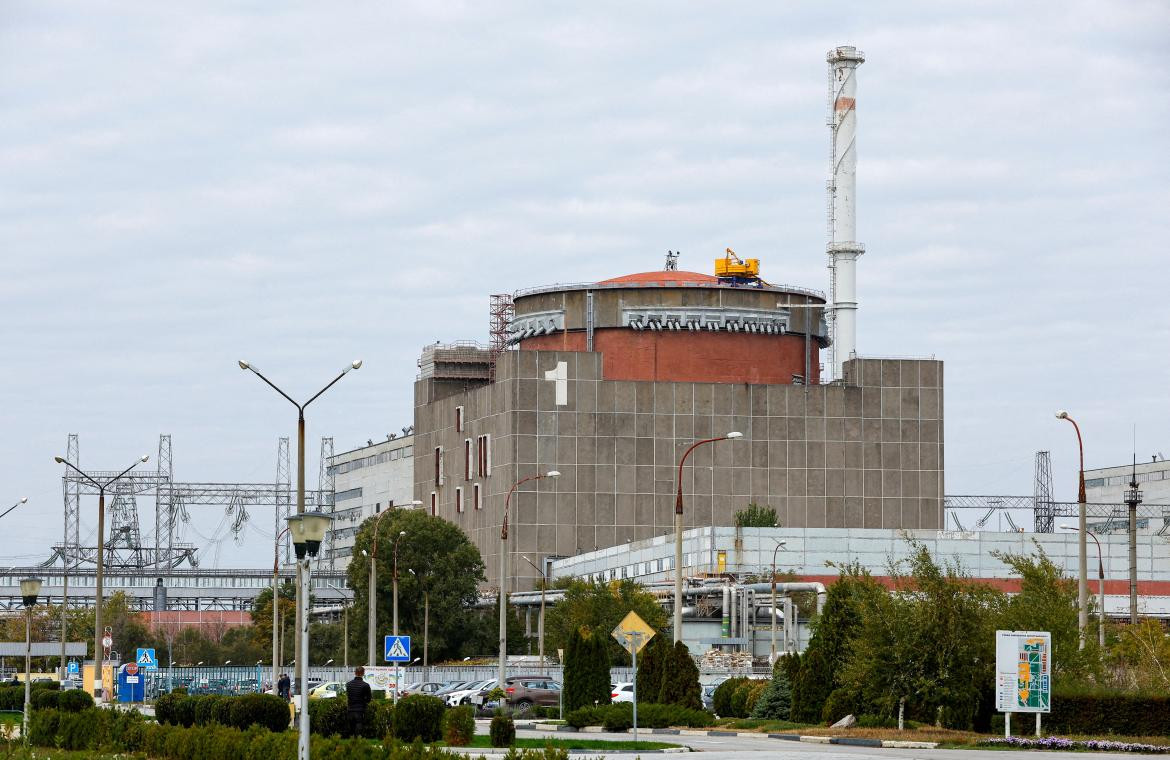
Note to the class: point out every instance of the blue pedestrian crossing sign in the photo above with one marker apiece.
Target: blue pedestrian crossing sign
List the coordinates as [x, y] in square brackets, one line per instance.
[73, 667]
[146, 659]
[397, 649]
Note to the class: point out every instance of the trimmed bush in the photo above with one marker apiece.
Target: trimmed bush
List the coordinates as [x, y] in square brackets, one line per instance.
[12, 697]
[221, 710]
[1097, 712]
[380, 719]
[266, 710]
[328, 717]
[92, 729]
[650, 715]
[739, 699]
[419, 716]
[721, 699]
[459, 726]
[202, 708]
[503, 731]
[45, 699]
[75, 700]
[753, 696]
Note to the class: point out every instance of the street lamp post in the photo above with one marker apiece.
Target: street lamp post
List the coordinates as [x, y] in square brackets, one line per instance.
[98, 630]
[540, 623]
[308, 530]
[14, 506]
[678, 531]
[29, 589]
[504, 579]
[1082, 528]
[778, 545]
[276, 604]
[1100, 586]
[371, 594]
[356, 364]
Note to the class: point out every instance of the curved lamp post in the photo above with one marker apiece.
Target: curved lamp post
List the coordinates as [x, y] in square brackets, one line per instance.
[1082, 546]
[98, 630]
[678, 531]
[30, 588]
[504, 579]
[540, 623]
[14, 506]
[1100, 585]
[779, 545]
[355, 364]
[371, 594]
[308, 530]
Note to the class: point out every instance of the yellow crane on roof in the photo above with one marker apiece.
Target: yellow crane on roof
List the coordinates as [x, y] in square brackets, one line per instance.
[731, 268]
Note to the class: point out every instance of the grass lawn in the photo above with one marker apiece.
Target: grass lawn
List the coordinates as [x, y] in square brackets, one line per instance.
[761, 725]
[482, 741]
[12, 718]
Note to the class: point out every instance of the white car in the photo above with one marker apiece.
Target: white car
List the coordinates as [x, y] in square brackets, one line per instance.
[622, 692]
[462, 696]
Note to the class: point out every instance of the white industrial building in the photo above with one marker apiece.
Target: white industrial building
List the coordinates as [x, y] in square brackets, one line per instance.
[1109, 485]
[367, 481]
[742, 559]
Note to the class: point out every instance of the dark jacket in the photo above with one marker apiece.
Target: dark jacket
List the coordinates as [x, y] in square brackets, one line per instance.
[284, 687]
[357, 692]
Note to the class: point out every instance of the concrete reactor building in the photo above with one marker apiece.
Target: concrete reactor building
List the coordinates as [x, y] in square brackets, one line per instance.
[609, 383]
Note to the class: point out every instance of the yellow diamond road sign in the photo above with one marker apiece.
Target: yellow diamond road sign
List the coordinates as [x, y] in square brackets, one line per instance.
[633, 632]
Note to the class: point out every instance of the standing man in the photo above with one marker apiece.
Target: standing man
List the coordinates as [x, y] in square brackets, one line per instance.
[357, 693]
[284, 687]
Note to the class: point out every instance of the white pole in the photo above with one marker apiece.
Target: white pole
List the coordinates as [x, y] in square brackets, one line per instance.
[634, 636]
[303, 658]
[1007, 725]
[1037, 724]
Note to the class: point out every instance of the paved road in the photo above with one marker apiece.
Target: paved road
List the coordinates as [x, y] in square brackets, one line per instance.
[753, 748]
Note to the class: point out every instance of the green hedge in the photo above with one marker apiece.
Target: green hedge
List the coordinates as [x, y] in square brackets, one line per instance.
[502, 731]
[75, 700]
[45, 699]
[419, 716]
[620, 716]
[330, 717]
[459, 726]
[12, 697]
[265, 710]
[1130, 714]
[98, 730]
[722, 697]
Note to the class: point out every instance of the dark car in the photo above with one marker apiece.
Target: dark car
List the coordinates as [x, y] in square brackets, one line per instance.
[522, 692]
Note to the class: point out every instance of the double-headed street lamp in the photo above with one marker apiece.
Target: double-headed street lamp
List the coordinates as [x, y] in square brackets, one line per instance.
[678, 531]
[1082, 544]
[356, 364]
[29, 589]
[1100, 586]
[504, 576]
[308, 530]
[98, 630]
[14, 506]
[779, 544]
[540, 623]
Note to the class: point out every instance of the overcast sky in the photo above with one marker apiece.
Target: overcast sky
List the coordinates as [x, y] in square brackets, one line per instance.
[300, 184]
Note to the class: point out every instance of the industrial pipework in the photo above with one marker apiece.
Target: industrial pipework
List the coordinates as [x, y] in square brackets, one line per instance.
[843, 248]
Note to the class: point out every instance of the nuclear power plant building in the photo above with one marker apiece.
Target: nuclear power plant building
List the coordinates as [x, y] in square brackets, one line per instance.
[610, 383]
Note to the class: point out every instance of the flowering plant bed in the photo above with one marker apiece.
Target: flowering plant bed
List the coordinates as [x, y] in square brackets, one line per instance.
[1060, 743]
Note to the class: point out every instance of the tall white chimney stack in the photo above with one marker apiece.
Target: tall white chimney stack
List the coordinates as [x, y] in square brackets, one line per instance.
[843, 248]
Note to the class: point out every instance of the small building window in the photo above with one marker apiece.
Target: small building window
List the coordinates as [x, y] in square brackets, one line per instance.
[459, 419]
[438, 465]
[467, 459]
[484, 455]
[458, 498]
[476, 498]
[434, 503]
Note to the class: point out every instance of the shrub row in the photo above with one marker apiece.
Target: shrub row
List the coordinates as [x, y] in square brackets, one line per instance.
[736, 697]
[417, 716]
[266, 710]
[96, 730]
[12, 697]
[330, 717]
[620, 716]
[1109, 712]
[74, 700]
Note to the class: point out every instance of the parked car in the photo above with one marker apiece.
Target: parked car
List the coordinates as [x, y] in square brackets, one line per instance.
[450, 687]
[479, 699]
[622, 692]
[327, 690]
[429, 687]
[522, 692]
[463, 695]
[69, 684]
